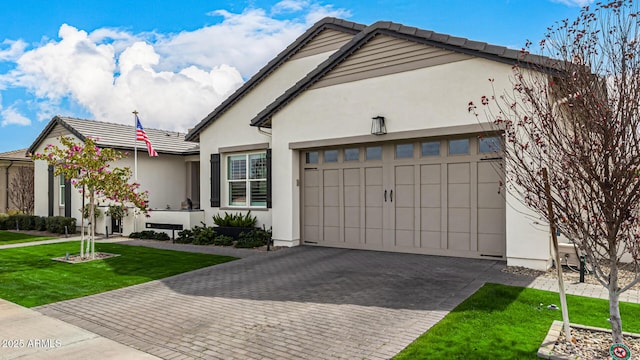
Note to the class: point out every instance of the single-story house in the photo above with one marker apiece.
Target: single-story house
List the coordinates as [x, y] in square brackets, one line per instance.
[359, 137]
[14, 165]
[171, 178]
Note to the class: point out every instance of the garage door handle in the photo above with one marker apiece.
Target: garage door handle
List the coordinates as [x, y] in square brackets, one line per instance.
[385, 196]
[391, 195]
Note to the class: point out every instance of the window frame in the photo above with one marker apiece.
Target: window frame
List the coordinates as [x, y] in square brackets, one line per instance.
[247, 180]
[61, 190]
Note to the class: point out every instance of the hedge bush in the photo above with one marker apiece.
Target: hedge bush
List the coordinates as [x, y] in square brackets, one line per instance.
[254, 238]
[150, 235]
[53, 224]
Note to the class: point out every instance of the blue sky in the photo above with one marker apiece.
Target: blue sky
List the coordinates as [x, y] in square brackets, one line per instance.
[174, 61]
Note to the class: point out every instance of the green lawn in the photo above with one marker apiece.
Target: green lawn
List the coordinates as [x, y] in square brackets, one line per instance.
[8, 237]
[505, 322]
[30, 278]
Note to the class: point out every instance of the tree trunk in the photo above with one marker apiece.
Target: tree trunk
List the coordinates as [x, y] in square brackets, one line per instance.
[614, 303]
[92, 237]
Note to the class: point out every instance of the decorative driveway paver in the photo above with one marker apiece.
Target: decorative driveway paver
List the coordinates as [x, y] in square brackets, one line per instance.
[299, 303]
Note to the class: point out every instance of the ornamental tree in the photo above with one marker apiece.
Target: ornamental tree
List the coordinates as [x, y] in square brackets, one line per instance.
[89, 169]
[576, 113]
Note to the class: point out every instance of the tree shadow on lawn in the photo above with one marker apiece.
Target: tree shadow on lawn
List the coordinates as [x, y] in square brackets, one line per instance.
[344, 276]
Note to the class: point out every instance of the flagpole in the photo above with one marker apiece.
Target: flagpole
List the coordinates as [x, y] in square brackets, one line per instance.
[135, 162]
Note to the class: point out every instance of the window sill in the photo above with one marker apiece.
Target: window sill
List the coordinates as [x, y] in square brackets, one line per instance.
[239, 208]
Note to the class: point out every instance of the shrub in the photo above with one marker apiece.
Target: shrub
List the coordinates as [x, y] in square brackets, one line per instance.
[223, 240]
[56, 224]
[203, 235]
[235, 220]
[185, 236]
[254, 238]
[149, 235]
[40, 223]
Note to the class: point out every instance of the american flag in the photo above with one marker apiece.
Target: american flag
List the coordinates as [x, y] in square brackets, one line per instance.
[142, 135]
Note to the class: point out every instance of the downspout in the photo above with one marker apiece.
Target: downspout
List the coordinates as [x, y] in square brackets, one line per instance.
[6, 179]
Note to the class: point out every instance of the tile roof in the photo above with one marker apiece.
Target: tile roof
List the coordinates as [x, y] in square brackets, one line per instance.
[325, 23]
[15, 155]
[120, 136]
[427, 37]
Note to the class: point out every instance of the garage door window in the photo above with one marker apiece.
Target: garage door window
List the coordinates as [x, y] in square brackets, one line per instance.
[374, 153]
[489, 144]
[431, 148]
[404, 151]
[311, 157]
[459, 147]
[331, 156]
[352, 154]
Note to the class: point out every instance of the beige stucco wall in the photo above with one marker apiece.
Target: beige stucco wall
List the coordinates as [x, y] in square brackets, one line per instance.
[433, 97]
[8, 170]
[232, 129]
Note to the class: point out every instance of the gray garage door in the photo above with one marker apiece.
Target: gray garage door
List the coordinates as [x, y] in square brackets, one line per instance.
[438, 197]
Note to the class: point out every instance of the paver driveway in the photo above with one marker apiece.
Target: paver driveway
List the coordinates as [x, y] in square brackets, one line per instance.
[304, 302]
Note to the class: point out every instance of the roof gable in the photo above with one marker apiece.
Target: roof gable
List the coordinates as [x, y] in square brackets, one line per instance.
[330, 34]
[447, 44]
[117, 136]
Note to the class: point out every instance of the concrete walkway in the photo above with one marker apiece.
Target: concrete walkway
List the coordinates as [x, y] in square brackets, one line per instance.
[298, 303]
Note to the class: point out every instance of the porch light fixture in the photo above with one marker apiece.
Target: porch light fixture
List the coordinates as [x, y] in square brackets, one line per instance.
[377, 126]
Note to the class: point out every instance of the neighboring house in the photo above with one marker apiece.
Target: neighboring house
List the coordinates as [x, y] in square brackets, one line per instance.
[170, 178]
[12, 166]
[295, 145]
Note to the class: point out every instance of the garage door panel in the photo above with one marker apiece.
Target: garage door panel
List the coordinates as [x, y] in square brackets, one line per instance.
[431, 219]
[488, 196]
[373, 237]
[311, 196]
[352, 216]
[459, 220]
[331, 216]
[312, 233]
[351, 196]
[491, 221]
[404, 196]
[373, 176]
[331, 234]
[459, 241]
[373, 196]
[459, 173]
[430, 174]
[311, 177]
[430, 239]
[352, 235]
[404, 175]
[331, 196]
[352, 177]
[489, 171]
[373, 218]
[404, 238]
[459, 195]
[312, 215]
[331, 177]
[405, 218]
[491, 244]
[430, 195]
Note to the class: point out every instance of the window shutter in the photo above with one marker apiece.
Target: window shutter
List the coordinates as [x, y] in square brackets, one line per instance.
[215, 180]
[67, 198]
[50, 189]
[268, 178]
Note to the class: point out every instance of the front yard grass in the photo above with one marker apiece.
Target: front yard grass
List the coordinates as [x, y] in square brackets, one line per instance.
[30, 278]
[506, 322]
[8, 237]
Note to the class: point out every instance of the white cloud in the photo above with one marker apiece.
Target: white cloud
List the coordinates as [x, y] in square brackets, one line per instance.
[10, 116]
[10, 50]
[574, 2]
[172, 80]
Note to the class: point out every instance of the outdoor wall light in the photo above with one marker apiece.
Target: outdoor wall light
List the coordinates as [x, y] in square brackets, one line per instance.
[377, 126]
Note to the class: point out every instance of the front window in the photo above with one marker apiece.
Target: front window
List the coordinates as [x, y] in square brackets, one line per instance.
[247, 180]
[62, 192]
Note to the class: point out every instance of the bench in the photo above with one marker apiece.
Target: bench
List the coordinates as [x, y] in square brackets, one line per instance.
[161, 226]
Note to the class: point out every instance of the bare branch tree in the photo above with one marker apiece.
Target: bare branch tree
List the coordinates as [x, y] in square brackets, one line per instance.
[577, 115]
[21, 190]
